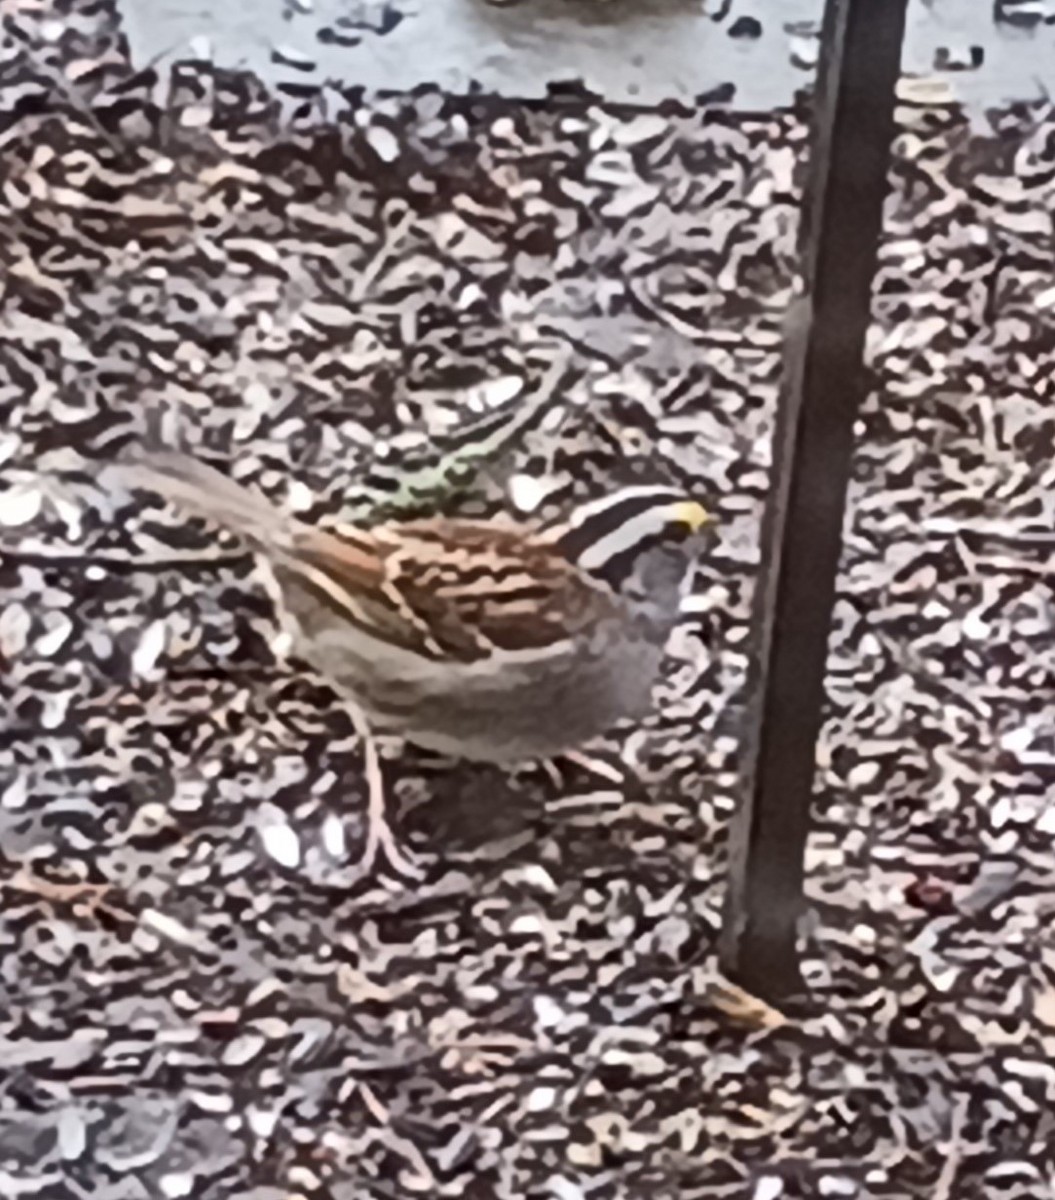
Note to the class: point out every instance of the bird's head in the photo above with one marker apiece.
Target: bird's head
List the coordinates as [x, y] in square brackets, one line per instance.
[643, 538]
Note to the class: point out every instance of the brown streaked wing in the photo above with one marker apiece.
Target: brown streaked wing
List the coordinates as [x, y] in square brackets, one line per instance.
[452, 589]
[352, 579]
[503, 588]
[358, 560]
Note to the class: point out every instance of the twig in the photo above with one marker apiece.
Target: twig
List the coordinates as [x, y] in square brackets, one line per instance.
[93, 894]
[954, 1153]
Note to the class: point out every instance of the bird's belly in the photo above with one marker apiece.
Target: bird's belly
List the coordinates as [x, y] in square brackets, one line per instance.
[509, 710]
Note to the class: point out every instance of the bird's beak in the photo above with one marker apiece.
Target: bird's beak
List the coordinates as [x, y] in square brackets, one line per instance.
[692, 514]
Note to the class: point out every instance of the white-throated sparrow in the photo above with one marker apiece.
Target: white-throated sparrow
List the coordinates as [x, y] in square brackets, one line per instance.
[483, 640]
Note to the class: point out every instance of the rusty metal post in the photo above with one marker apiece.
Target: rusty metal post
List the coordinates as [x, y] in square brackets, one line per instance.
[823, 386]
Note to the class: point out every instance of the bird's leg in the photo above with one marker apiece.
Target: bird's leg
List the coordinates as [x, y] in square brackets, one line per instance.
[378, 832]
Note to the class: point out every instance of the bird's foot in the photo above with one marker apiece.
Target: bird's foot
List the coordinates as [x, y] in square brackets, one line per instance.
[379, 834]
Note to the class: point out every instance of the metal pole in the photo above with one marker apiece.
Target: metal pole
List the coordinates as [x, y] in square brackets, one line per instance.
[812, 449]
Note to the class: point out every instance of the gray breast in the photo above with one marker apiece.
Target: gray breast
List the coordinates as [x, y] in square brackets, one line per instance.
[515, 708]
[519, 706]
[525, 711]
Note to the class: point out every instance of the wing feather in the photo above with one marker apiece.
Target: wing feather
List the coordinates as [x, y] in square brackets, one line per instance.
[456, 589]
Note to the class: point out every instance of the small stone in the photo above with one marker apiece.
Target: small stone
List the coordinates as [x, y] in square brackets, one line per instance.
[1044, 1007]
[334, 37]
[496, 392]
[925, 92]
[383, 142]
[176, 1184]
[211, 1102]
[768, 1187]
[300, 496]
[262, 1121]
[948, 58]
[560, 1187]
[282, 843]
[746, 27]
[1046, 820]
[535, 875]
[1021, 14]
[975, 627]
[526, 492]
[836, 1185]
[805, 53]
[17, 794]
[527, 923]
[643, 129]
[196, 116]
[243, 1049]
[72, 1135]
[19, 506]
[54, 638]
[930, 894]
[643, 1063]
[289, 56]
[541, 1098]
[146, 654]
[333, 838]
[863, 774]
[1017, 740]
[547, 1012]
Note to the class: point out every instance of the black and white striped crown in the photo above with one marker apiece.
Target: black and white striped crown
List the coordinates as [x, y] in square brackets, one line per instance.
[609, 533]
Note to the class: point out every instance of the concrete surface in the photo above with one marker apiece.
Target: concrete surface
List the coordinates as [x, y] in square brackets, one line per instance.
[636, 50]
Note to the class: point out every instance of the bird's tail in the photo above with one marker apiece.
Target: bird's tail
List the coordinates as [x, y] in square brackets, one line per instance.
[206, 492]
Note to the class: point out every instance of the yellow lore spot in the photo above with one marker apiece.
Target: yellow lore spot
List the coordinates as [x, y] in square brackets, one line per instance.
[689, 512]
